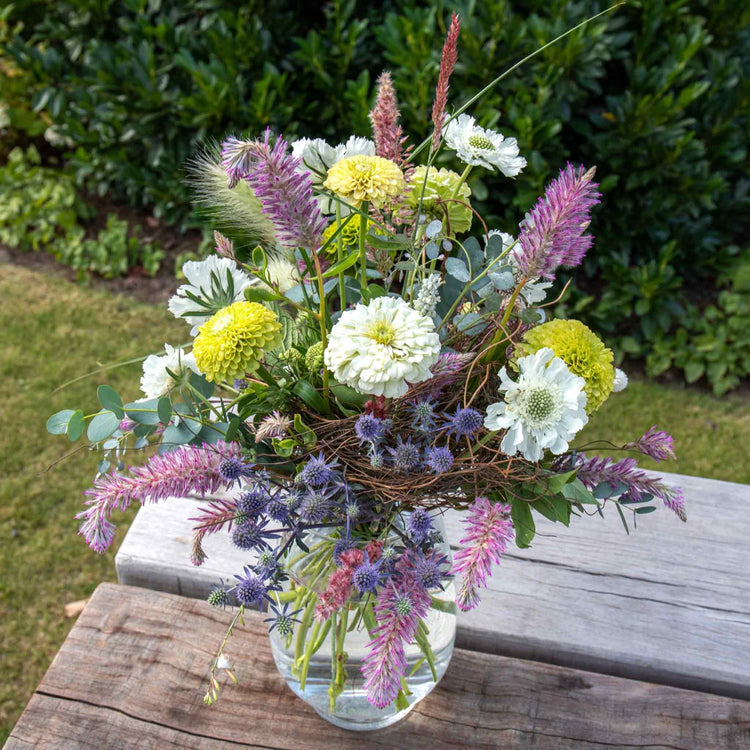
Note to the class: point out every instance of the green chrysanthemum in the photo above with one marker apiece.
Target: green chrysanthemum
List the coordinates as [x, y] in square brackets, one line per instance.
[349, 234]
[232, 341]
[440, 197]
[582, 351]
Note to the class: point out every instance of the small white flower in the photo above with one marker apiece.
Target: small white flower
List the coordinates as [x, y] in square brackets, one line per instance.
[318, 157]
[156, 381]
[484, 148]
[222, 662]
[543, 410]
[381, 348]
[202, 277]
[427, 297]
[621, 381]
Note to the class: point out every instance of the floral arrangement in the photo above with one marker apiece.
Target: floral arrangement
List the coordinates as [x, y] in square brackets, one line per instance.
[365, 354]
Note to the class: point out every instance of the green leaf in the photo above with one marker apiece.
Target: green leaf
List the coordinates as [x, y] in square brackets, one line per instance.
[143, 412]
[576, 492]
[234, 426]
[57, 424]
[555, 482]
[423, 642]
[259, 258]
[164, 410]
[283, 448]
[347, 395]
[375, 290]
[341, 266]
[523, 522]
[102, 426]
[645, 509]
[310, 396]
[76, 426]
[259, 294]
[109, 399]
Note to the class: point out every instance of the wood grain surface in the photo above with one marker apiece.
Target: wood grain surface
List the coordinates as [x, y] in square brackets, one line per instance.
[669, 603]
[132, 674]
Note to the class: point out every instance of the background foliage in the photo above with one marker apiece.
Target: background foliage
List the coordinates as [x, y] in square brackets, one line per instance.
[655, 94]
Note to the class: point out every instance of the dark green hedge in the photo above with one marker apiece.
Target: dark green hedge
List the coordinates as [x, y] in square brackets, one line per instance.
[655, 94]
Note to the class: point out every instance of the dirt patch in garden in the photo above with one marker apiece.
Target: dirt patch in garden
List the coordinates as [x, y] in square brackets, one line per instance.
[136, 283]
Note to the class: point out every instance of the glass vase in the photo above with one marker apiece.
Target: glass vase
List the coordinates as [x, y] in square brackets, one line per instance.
[321, 661]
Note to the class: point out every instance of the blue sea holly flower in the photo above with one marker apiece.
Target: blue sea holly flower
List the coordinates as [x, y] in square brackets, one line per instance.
[232, 470]
[406, 455]
[316, 506]
[251, 589]
[282, 619]
[439, 460]
[219, 596]
[377, 459]
[317, 471]
[278, 510]
[341, 546]
[250, 503]
[423, 411]
[431, 570]
[370, 429]
[465, 422]
[419, 525]
[366, 576]
[267, 564]
[252, 535]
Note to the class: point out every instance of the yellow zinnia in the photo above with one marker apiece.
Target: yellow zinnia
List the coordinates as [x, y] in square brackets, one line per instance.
[365, 178]
[232, 341]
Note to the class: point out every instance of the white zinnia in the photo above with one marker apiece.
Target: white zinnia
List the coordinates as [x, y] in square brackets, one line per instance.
[484, 148]
[318, 157]
[156, 381]
[202, 285]
[621, 381]
[381, 348]
[543, 410]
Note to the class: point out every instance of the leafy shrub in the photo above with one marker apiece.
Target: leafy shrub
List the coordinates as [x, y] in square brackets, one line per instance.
[654, 94]
[41, 210]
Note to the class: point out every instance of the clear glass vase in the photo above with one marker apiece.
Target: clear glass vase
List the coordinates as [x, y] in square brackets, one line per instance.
[321, 662]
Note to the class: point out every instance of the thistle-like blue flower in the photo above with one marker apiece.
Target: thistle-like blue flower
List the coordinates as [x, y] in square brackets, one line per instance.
[370, 429]
[251, 589]
[317, 471]
[267, 564]
[232, 469]
[283, 620]
[430, 571]
[366, 576]
[341, 546]
[377, 459]
[419, 525]
[406, 455]
[439, 459]
[252, 535]
[278, 509]
[316, 506]
[465, 422]
[250, 503]
[219, 596]
[423, 411]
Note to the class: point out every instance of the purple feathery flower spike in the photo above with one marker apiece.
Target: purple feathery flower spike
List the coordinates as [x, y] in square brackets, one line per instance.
[285, 194]
[656, 443]
[398, 611]
[489, 529]
[593, 471]
[190, 469]
[552, 233]
[389, 137]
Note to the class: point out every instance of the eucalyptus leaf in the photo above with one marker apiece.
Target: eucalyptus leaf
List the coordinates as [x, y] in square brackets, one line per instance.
[456, 268]
[164, 410]
[502, 280]
[57, 424]
[76, 425]
[102, 426]
[110, 399]
[433, 228]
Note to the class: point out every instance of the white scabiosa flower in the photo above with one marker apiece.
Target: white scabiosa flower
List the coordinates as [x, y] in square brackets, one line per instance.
[318, 157]
[543, 410]
[483, 148]
[282, 273]
[621, 381]
[156, 381]
[380, 348]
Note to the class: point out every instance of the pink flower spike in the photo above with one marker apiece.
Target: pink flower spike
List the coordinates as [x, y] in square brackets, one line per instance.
[389, 138]
[489, 528]
[189, 469]
[447, 63]
[553, 232]
[656, 444]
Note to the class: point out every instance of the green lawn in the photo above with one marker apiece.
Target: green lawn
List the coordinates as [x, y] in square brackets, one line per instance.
[53, 331]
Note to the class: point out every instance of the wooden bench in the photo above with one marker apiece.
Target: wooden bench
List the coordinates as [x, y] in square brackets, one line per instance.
[132, 674]
[668, 604]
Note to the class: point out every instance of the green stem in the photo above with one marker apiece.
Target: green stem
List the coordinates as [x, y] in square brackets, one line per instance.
[363, 251]
[309, 651]
[340, 257]
[461, 180]
[490, 354]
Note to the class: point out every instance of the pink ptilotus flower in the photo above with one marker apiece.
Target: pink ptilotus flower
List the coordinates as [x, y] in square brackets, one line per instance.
[285, 193]
[189, 469]
[552, 233]
[656, 443]
[388, 135]
[398, 610]
[489, 529]
[595, 470]
[447, 63]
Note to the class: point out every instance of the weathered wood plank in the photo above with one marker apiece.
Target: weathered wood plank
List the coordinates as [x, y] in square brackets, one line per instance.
[670, 603]
[132, 671]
